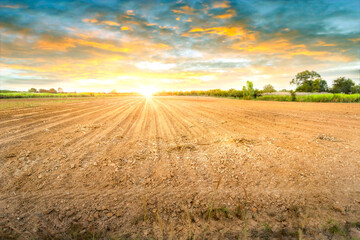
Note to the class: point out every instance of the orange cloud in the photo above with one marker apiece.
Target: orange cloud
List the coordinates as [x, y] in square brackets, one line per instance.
[224, 4]
[188, 20]
[227, 31]
[94, 20]
[135, 46]
[177, 11]
[324, 44]
[104, 46]
[111, 23]
[55, 45]
[229, 14]
[130, 12]
[16, 6]
[125, 28]
[285, 49]
[272, 46]
[355, 40]
[185, 9]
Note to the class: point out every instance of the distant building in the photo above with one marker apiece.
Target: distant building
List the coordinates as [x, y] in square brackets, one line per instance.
[60, 90]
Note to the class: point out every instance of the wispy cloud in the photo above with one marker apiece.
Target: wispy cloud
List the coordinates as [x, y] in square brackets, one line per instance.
[187, 44]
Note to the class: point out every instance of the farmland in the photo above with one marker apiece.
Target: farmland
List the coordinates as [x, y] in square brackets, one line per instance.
[179, 167]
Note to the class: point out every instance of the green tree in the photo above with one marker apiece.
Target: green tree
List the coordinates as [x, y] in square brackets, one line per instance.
[33, 90]
[245, 92]
[250, 88]
[269, 88]
[342, 85]
[305, 81]
[43, 90]
[319, 85]
[355, 89]
[293, 95]
[257, 93]
[52, 90]
[235, 93]
[248, 91]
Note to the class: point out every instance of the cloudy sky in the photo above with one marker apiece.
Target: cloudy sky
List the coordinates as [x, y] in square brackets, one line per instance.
[101, 45]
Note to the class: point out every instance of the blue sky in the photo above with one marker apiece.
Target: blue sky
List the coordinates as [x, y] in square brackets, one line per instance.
[175, 45]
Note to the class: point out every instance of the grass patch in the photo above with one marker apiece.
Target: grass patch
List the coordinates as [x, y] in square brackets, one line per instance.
[213, 198]
[283, 98]
[335, 229]
[346, 98]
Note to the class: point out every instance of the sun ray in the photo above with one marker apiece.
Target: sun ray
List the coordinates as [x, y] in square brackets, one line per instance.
[147, 91]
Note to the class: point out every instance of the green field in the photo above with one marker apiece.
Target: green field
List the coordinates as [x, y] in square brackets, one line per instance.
[60, 95]
[337, 97]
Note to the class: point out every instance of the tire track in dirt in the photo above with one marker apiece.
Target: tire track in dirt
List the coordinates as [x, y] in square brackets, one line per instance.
[199, 118]
[263, 119]
[58, 123]
[162, 124]
[175, 121]
[233, 115]
[43, 112]
[140, 131]
[120, 127]
[181, 148]
[129, 122]
[112, 117]
[48, 119]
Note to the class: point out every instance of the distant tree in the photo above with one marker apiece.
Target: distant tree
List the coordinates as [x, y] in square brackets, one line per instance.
[248, 91]
[269, 88]
[250, 88]
[60, 90]
[52, 90]
[305, 82]
[283, 90]
[257, 93]
[293, 95]
[235, 93]
[355, 89]
[43, 90]
[323, 86]
[319, 85]
[342, 85]
[113, 91]
[232, 92]
[245, 92]
[33, 90]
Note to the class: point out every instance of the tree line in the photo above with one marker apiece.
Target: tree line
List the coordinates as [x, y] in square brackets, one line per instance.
[311, 81]
[306, 81]
[51, 90]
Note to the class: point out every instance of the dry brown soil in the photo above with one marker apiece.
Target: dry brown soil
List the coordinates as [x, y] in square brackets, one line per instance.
[180, 167]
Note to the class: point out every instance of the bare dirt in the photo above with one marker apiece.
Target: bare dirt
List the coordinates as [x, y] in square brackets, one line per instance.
[180, 167]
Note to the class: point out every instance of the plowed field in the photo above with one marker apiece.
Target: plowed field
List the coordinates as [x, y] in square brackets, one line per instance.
[180, 167]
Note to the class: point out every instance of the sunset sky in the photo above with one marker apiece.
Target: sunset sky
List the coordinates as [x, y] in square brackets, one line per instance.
[102, 45]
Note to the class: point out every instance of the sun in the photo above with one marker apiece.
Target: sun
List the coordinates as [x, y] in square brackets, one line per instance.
[147, 91]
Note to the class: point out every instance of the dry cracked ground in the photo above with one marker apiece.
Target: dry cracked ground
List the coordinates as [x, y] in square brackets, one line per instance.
[180, 168]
